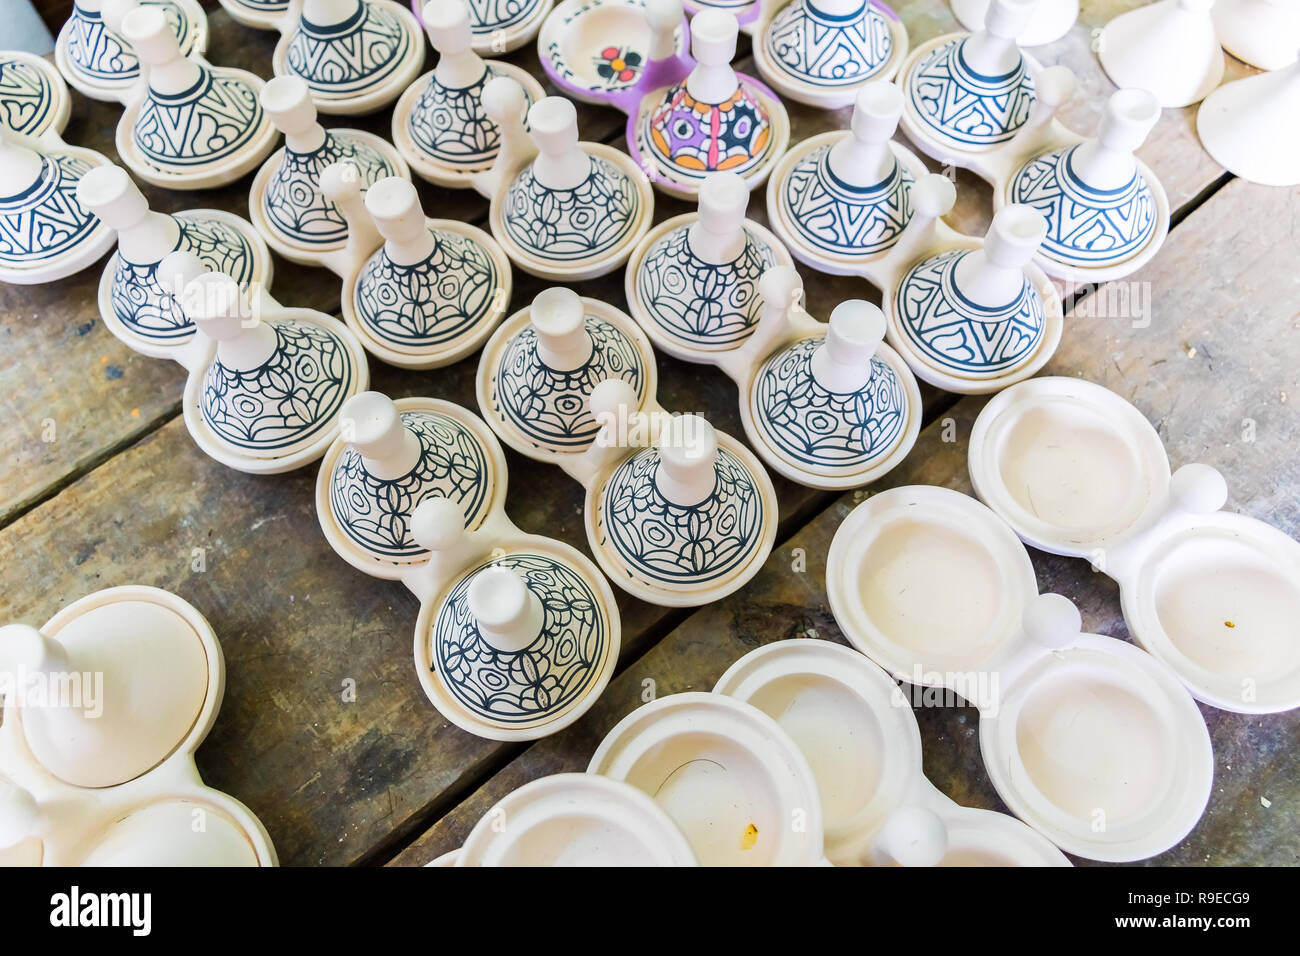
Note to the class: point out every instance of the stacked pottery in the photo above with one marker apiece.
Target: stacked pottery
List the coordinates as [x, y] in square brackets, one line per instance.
[101, 772]
[518, 634]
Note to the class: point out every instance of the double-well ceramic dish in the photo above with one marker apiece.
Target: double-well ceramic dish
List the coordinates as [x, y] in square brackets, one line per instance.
[1088, 739]
[517, 634]
[677, 513]
[97, 754]
[861, 739]
[47, 233]
[1078, 471]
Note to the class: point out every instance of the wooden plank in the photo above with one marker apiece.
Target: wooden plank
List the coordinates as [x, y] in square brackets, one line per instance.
[1186, 370]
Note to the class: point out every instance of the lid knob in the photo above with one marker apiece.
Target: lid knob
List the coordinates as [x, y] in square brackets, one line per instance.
[1054, 86]
[560, 321]
[448, 24]
[842, 363]
[340, 183]
[177, 270]
[509, 615]
[688, 449]
[1198, 489]
[718, 236]
[781, 289]
[864, 157]
[394, 205]
[437, 523]
[371, 423]
[713, 44]
[113, 196]
[553, 123]
[504, 101]
[1014, 236]
[913, 836]
[1129, 117]
[111, 12]
[933, 196]
[1052, 620]
[1007, 19]
[150, 36]
[613, 402]
[23, 647]
[18, 813]
[287, 101]
[212, 300]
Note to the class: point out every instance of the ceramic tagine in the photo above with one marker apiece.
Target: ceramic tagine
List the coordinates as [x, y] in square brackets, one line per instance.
[1076, 470]
[735, 784]
[1247, 127]
[137, 305]
[820, 52]
[576, 819]
[98, 769]
[1091, 741]
[259, 14]
[1168, 48]
[862, 742]
[1049, 21]
[285, 202]
[356, 56]
[190, 125]
[576, 210]
[34, 100]
[500, 26]
[1263, 33]
[968, 93]
[99, 62]
[518, 634]
[440, 125]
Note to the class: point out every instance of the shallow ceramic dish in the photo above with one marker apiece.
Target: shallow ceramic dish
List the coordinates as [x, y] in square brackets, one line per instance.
[731, 779]
[517, 634]
[1078, 471]
[863, 744]
[1089, 740]
[97, 783]
[501, 25]
[98, 61]
[575, 819]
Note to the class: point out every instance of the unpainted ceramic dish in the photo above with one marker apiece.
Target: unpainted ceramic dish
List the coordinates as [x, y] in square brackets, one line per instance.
[1088, 739]
[517, 634]
[1246, 126]
[1078, 471]
[861, 739]
[1263, 33]
[98, 770]
[1168, 48]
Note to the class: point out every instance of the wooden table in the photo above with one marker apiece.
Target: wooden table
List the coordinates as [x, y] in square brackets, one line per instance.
[121, 495]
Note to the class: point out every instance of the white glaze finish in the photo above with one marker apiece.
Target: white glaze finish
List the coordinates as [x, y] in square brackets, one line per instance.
[1247, 126]
[1168, 48]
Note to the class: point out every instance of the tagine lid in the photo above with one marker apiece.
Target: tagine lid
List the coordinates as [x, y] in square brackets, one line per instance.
[540, 368]
[391, 456]
[96, 58]
[500, 26]
[33, 97]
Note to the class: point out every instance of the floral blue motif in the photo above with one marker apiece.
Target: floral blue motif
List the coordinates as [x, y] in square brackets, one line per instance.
[43, 220]
[820, 48]
[147, 308]
[99, 55]
[26, 96]
[813, 427]
[551, 407]
[675, 544]
[350, 57]
[375, 512]
[292, 200]
[542, 680]
[1085, 226]
[698, 303]
[448, 125]
[211, 121]
[490, 16]
[432, 302]
[965, 107]
[959, 335]
[841, 219]
[569, 225]
[285, 401]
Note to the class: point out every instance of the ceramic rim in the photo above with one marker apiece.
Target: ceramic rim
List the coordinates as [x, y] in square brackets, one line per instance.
[431, 170]
[988, 838]
[1101, 749]
[848, 718]
[494, 500]
[446, 353]
[652, 329]
[576, 819]
[251, 464]
[929, 583]
[54, 117]
[445, 701]
[819, 95]
[673, 748]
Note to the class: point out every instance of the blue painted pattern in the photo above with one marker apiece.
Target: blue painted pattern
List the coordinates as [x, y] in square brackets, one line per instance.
[570, 225]
[816, 47]
[351, 57]
[489, 16]
[965, 107]
[43, 220]
[841, 219]
[292, 200]
[27, 97]
[448, 125]
[101, 56]
[213, 120]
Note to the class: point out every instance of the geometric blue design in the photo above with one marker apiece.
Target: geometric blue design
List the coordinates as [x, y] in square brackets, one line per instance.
[448, 125]
[353, 55]
[550, 406]
[825, 50]
[536, 682]
[212, 120]
[1085, 226]
[431, 302]
[676, 544]
[699, 303]
[264, 7]
[489, 16]
[43, 219]
[294, 394]
[27, 96]
[100, 56]
[959, 334]
[821, 429]
[375, 512]
[965, 107]
[842, 219]
[566, 225]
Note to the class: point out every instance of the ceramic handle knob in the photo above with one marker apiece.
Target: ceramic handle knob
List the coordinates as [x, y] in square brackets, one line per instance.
[663, 16]
[843, 363]
[724, 200]
[371, 423]
[394, 204]
[713, 37]
[913, 836]
[177, 270]
[24, 648]
[287, 101]
[876, 111]
[613, 402]
[18, 813]
[448, 24]
[508, 613]
[1198, 489]
[1007, 19]
[113, 196]
[504, 101]
[1015, 235]
[340, 183]
[559, 319]
[780, 288]
[213, 301]
[688, 449]
[553, 122]
[1052, 620]
[437, 524]
[150, 36]
[1128, 119]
